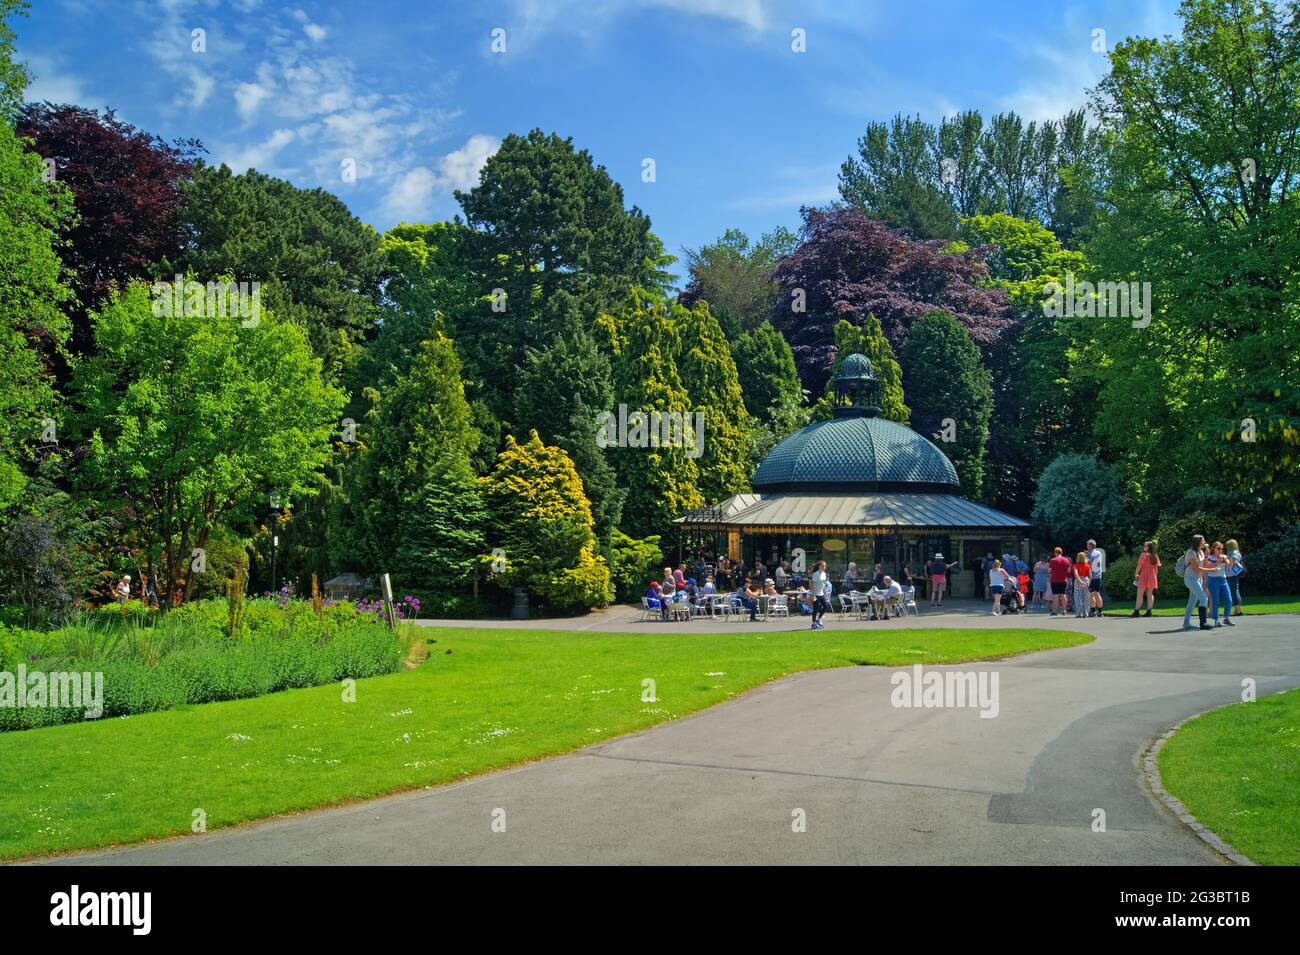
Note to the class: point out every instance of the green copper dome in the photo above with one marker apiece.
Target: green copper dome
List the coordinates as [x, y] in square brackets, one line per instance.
[855, 366]
[859, 453]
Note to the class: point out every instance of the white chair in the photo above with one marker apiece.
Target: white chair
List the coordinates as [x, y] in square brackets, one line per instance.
[779, 607]
[861, 604]
[846, 603]
[648, 612]
[909, 601]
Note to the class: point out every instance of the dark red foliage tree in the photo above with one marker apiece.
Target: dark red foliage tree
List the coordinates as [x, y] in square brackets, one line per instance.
[848, 266]
[127, 187]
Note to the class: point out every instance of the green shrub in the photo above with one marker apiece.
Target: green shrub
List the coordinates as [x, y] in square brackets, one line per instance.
[1078, 498]
[131, 687]
[367, 649]
[449, 606]
[262, 615]
[1174, 536]
[1118, 578]
[13, 641]
[225, 552]
[633, 564]
[1274, 565]
[187, 658]
[297, 663]
[128, 611]
[211, 616]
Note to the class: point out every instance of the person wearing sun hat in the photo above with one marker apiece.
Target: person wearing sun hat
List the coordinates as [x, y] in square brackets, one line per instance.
[938, 580]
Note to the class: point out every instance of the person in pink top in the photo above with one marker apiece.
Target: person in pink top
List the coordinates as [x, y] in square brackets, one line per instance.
[1146, 578]
[679, 577]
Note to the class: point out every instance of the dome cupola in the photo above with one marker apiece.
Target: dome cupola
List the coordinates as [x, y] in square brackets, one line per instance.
[857, 451]
[856, 388]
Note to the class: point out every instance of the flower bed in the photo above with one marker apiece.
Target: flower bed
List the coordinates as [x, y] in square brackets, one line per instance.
[151, 661]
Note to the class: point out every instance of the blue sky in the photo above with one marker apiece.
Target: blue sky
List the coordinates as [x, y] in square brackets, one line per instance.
[742, 129]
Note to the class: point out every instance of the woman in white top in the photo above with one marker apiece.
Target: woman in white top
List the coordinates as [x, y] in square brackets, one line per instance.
[821, 589]
[1235, 570]
[999, 581]
[1216, 584]
[1194, 578]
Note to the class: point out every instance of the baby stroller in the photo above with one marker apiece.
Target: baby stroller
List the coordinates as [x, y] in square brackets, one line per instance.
[1013, 601]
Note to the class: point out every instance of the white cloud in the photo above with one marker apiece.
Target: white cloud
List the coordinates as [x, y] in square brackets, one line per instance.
[460, 168]
[258, 156]
[1060, 84]
[49, 82]
[315, 32]
[589, 19]
[818, 195]
[412, 194]
[170, 44]
[410, 198]
[248, 97]
[748, 12]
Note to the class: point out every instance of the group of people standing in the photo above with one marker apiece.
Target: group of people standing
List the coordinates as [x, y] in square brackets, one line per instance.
[1212, 574]
[1064, 585]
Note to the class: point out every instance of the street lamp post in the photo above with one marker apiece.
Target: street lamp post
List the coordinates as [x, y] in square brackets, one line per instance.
[275, 535]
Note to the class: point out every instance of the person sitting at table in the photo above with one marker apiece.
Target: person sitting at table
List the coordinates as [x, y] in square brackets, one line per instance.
[905, 578]
[654, 598]
[708, 588]
[782, 574]
[849, 581]
[890, 593]
[692, 591]
[681, 603]
[877, 577]
[748, 598]
[769, 588]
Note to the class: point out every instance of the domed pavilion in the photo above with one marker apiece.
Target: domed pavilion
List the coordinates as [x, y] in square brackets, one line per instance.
[857, 488]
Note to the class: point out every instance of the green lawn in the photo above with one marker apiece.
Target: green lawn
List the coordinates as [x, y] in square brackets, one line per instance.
[1172, 602]
[499, 697]
[1237, 770]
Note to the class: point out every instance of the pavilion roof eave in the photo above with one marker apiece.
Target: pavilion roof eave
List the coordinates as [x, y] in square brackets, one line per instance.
[884, 512]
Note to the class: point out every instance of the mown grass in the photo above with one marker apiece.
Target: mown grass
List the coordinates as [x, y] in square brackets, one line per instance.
[484, 699]
[1237, 770]
[1172, 601]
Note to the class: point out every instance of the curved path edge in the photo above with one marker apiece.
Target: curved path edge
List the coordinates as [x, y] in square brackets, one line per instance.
[1151, 774]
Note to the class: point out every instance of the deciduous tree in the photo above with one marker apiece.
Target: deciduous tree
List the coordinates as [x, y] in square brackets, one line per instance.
[188, 417]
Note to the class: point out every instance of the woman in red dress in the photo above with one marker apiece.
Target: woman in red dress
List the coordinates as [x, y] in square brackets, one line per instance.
[1147, 578]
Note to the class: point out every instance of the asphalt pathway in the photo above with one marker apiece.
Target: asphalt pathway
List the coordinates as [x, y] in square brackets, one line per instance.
[821, 767]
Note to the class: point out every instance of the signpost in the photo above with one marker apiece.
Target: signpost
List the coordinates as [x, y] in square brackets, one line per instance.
[390, 609]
